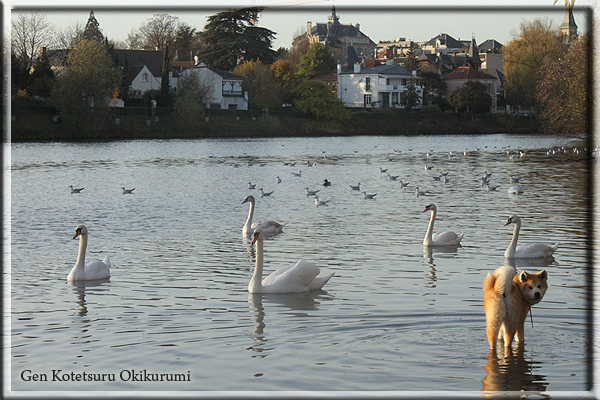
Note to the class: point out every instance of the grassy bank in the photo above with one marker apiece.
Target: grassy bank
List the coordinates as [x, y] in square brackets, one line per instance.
[40, 126]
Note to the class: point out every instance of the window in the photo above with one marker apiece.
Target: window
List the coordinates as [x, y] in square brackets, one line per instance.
[367, 100]
[145, 77]
[368, 85]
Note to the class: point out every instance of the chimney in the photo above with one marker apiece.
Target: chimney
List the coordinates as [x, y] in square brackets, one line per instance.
[308, 27]
[339, 68]
[357, 27]
[357, 68]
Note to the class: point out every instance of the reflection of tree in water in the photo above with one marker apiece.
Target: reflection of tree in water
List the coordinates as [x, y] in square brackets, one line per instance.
[512, 373]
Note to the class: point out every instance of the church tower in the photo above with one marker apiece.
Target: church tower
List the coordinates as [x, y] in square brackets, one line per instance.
[568, 28]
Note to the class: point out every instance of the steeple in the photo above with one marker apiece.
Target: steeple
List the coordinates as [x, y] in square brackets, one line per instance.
[568, 28]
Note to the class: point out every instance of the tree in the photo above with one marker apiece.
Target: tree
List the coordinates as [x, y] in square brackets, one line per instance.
[317, 99]
[192, 93]
[158, 32]
[29, 34]
[410, 61]
[433, 86]
[92, 29]
[42, 78]
[83, 89]
[563, 90]
[284, 74]
[525, 55]
[471, 97]
[409, 98]
[260, 84]
[134, 41]
[231, 38]
[183, 42]
[318, 60]
[164, 95]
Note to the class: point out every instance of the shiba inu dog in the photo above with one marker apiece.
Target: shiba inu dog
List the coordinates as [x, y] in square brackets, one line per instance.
[508, 296]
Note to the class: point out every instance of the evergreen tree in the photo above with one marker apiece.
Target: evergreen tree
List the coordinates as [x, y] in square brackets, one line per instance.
[318, 60]
[92, 30]
[410, 61]
[164, 97]
[231, 38]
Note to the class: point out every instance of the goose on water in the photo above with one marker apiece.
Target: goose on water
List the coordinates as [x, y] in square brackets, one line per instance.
[127, 191]
[75, 190]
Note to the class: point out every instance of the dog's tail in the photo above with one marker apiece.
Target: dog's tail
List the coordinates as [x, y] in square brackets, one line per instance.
[501, 280]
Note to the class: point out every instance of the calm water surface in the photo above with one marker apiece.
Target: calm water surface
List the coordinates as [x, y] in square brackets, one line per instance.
[394, 318]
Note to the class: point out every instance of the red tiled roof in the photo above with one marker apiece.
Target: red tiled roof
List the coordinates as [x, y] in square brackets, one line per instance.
[466, 72]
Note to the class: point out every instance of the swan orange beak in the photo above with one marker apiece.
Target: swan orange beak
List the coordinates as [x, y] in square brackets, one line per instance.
[254, 239]
[76, 234]
[507, 222]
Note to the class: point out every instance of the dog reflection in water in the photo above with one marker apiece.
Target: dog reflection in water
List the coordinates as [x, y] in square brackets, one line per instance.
[508, 297]
[512, 373]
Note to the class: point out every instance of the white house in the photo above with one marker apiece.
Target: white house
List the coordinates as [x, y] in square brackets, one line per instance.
[224, 90]
[379, 86]
[144, 69]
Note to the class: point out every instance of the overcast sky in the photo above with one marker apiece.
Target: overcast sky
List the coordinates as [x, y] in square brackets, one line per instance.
[381, 20]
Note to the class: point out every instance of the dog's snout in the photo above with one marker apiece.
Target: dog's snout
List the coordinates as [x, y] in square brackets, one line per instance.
[538, 295]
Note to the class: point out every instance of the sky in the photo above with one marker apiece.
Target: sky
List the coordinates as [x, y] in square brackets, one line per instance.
[380, 20]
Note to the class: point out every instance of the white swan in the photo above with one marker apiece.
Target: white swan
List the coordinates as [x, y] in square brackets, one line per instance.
[447, 238]
[91, 270]
[528, 250]
[269, 227]
[301, 277]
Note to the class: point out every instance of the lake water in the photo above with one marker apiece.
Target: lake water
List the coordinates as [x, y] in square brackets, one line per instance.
[395, 318]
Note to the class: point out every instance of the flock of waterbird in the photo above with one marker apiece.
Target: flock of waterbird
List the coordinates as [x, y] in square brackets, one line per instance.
[304, 276]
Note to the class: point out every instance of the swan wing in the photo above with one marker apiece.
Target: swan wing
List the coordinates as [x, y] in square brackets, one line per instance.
[535, 250]
[268, 227]
[296, 278]
[447, 238]
[97, 269]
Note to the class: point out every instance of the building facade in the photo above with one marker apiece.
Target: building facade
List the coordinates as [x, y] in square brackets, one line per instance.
[379, 86]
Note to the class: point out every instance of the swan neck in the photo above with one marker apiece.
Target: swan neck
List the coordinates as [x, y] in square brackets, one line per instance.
[256, 281]
[431, 222]
[250, 215]
[513, 243]
[81, 254]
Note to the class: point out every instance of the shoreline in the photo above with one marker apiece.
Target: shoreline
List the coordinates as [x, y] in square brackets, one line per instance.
[223, 125]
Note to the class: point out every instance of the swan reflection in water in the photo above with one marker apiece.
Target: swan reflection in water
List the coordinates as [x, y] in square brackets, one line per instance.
[304, 301]
[512, 373]
[79, 288]
[428, 251]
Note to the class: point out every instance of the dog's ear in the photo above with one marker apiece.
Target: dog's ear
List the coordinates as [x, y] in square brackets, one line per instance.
[543, 275]
[523, 276]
